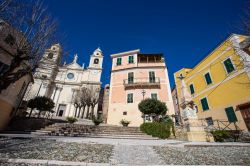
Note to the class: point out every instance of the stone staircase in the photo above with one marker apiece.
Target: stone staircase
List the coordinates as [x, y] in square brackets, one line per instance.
[80, 130]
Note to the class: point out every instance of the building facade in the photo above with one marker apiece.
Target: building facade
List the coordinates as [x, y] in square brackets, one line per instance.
[61, 83]
[176, 106]
[10, 98]
[105, 103]
[219, 85]
[134, 77]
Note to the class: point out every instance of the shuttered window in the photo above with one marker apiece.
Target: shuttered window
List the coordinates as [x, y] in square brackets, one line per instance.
[130, 77]
[154, 96]
[208, 78]
[152, 77]
[191, 87]
[131, 59]
[130, 98]
[118, 61]
[231, 114]
[229, 65]
[204, 104]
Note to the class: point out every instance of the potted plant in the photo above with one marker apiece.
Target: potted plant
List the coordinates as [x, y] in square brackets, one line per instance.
[97, 121]
[71, 120]
[124, 122]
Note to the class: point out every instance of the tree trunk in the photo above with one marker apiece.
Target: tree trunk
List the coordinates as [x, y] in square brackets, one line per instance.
[92, 111]
[83, 111]
[78, 116]
[87, 116]
[30, 112]
[76, 111]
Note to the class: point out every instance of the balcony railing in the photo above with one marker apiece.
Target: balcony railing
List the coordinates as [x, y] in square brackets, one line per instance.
[141, 82]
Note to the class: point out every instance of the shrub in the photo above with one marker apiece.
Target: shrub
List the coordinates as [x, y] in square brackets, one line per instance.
[97, 121]
[71, 119]
[152, 106]
[156, 129]
[124, 122]
[220, 135]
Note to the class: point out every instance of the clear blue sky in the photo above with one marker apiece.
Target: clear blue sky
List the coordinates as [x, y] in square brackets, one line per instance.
[185, 31]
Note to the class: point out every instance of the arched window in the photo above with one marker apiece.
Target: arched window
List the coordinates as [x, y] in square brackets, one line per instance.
[96, 61]
[50, 55]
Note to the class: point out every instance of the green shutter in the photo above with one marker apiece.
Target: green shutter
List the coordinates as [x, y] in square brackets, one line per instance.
[231, 114]
[191, 87]
[204, 104]
[152, 77]
[154, 96]
[130, 77]
[208, 78]
[229, 65]
[131, 59]
[130, 98]
[119, 61]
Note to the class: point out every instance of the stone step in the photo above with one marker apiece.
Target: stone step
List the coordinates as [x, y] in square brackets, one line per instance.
[123, 137]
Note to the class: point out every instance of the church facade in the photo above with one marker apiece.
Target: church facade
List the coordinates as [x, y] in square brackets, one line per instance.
[61, 83]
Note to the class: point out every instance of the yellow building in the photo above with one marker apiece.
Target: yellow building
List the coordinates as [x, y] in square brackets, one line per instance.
[220, 83]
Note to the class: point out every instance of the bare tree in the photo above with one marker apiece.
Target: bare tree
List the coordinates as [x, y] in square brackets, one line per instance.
[94, 96]
[83, 101]
[29, 30]
[77, 102]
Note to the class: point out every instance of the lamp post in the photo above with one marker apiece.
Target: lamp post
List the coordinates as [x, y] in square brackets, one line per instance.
[143, 93]
[43, 78]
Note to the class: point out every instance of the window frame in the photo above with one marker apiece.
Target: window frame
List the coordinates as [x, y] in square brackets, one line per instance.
[130, 56]
[208, 105]
[118, 59]
[225, 68]
[154, 93]
[153, 80]
[204, 75]
[129, 78]
[131, 97]
[190, 88]
[232, 109]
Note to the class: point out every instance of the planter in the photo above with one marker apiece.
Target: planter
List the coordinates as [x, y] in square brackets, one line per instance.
[125, 124]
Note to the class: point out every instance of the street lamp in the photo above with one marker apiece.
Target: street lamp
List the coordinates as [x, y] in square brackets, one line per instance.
[143, 93]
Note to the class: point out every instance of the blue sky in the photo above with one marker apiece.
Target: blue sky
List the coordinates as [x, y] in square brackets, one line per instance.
[185, 31]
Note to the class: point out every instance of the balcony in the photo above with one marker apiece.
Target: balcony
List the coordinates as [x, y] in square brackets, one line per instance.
[141, 83]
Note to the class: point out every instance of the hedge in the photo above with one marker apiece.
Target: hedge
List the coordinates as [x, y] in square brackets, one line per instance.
[156, 129]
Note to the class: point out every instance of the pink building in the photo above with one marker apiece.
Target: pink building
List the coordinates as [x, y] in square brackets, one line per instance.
[135, 76]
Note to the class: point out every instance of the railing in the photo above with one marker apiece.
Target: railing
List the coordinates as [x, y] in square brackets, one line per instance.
[141, 82]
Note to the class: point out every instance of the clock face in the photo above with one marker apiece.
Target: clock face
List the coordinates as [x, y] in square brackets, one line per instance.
[95, 72]
[70, 76]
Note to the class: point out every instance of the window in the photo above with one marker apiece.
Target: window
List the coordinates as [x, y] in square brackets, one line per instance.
[154, 96]
[10, 40]
[210, 121]
[3, 68]
[152, 77]
[70, 76]
[130, 77]
[191, 87]
[229, 65]
[131, 59]
[204, 104]
[118, 61]
[130, 98]
[124, 113]
[208, 78]
[96, 61]
[231, 115]
[50, 55]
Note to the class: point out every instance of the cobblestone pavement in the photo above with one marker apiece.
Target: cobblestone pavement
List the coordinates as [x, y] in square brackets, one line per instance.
[204, 155]
[130, 152]
[135, 154]
[52, 150]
